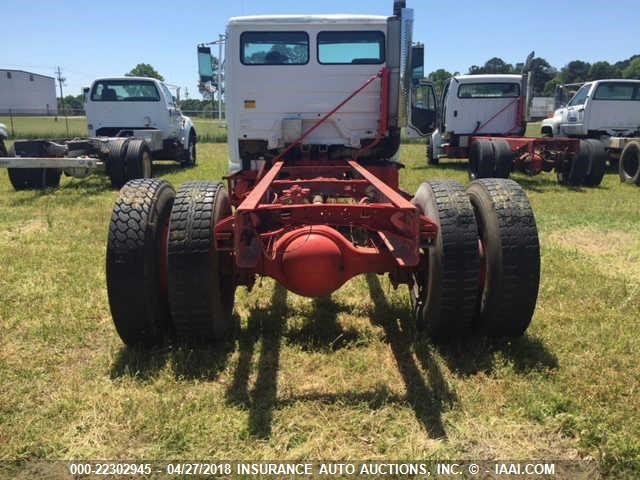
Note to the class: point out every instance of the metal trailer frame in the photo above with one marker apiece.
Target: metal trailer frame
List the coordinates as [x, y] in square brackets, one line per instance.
[81, 157]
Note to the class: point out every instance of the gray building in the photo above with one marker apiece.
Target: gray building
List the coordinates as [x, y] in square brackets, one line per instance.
[26, 93]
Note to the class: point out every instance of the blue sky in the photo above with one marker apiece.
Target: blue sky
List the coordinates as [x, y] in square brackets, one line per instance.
[92, 39]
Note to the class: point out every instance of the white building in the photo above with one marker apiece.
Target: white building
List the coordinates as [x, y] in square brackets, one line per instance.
[26, 93]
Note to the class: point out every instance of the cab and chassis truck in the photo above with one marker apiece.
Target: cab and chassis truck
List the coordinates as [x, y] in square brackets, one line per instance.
[606, 114]
[132, 121]
[483, 119]
[315, 108]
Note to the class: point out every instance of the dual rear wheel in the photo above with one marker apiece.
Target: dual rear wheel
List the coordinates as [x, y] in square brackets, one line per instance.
[128, 159]
[490, 159]
[165, 278]
[482, 273]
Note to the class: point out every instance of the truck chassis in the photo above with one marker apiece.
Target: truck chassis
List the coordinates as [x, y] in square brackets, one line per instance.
[174, 260]
[576, 162]
[39, 164]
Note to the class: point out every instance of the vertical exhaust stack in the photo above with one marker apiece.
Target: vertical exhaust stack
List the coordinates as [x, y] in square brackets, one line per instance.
[398, 5]
[399, 43]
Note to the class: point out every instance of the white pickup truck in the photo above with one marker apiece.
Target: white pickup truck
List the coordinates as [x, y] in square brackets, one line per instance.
[608, 112]
[136, 107]
[131, 121]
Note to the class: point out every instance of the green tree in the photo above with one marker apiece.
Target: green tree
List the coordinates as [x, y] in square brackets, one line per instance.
[439, 77]
[633, 70]
[144, 70]
[550, 87]
[625, 63]
[575, 72]
[600, 70]
[71, 104]
[494, 65]
[542, 73]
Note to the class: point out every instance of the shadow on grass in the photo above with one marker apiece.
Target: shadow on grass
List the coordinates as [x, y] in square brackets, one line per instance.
[261, 401]
[322, 332]
[93, 185]
[474, 355]
[544, 182]
[203, 362]
[167, 168]
[453, 164]
[427, 400]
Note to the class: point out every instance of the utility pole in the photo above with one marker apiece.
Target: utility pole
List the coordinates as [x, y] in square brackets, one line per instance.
[64, 110]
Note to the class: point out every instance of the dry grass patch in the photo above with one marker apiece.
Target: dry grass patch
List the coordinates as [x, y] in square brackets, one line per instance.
[615, 252]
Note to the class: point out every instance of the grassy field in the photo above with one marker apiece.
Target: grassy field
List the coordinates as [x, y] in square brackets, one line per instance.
[56, 127]
[338, 378]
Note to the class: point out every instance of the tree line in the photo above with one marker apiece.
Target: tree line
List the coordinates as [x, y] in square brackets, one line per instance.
[545, 76]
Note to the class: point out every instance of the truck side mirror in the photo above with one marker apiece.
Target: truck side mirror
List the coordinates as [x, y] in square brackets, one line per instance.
[85, 94]
[424, 110]
[205, 64]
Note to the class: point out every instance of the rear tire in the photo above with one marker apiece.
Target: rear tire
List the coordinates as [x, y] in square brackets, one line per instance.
[509, 236]
[136, 261]
[482, 161]
[138, 162]
[629, 164]
[504, 158]
[201, 280]
[432, 159]
[597, 162]
[189, 156]
[446, 282]
[574, 173]
[116, 161]
[33, 178]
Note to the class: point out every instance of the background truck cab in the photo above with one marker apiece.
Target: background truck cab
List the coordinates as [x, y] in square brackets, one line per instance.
[141, 107]
[599, 108]
[479, 105]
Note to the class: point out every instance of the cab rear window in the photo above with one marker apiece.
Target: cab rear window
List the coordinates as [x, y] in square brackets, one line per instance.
[124, 91]
[274, 48]
[617, 91]
[351, 48]
[489, 90]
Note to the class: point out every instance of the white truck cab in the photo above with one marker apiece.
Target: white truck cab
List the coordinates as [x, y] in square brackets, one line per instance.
[140, 107]
[602, 108]
[478, 105]
[284, 73]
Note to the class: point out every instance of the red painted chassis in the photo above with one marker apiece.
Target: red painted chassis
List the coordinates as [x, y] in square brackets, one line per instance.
[532, 155]
[357, 221]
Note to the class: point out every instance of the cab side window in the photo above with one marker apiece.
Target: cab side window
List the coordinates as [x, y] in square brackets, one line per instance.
[580, 97]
